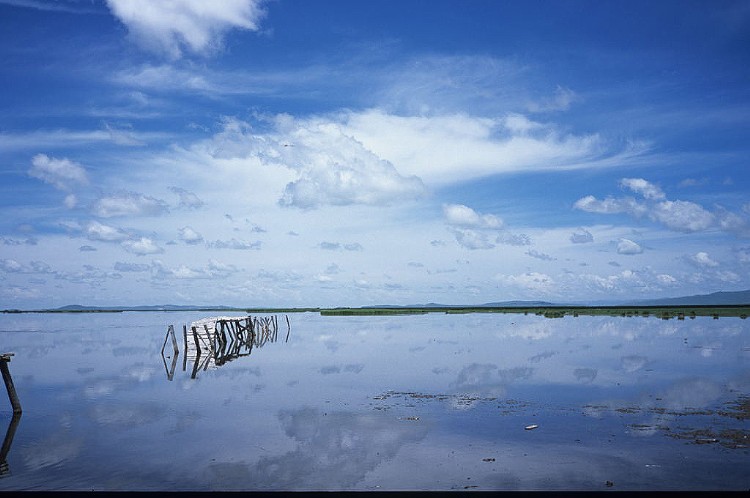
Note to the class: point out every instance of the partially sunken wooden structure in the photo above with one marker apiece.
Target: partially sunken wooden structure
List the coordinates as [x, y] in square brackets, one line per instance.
[212, 342]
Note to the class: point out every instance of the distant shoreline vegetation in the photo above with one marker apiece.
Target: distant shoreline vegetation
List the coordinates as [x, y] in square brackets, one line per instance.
[663, 312]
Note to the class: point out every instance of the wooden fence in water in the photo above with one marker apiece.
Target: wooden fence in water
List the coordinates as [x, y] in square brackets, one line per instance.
[212, 342]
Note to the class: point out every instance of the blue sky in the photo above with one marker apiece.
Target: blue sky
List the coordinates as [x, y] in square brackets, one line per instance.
[338, 153]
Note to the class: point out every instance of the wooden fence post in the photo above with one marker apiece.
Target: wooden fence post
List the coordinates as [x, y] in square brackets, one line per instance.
[4, 360]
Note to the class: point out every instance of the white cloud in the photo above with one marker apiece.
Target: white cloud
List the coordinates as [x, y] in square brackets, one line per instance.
[473, 230]
[335, 168]
[129, 204]
[142, 246]
[677, 215]
[187, 199]
[10, 265]
[63, 174]
[105, 233]
[666, 279]
[472, 239]
[537, 283]
[173, 26]
[702, 259]
[513, 239]
[628, 247]
[458, 147]
[234, 244]
[582, 236]
[190, 236]
[460, 215]
[539, 255]
[682, 216]
[640, 186]
[131, 267]
[610, 205]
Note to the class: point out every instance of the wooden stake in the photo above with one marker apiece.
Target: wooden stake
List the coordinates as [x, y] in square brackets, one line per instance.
[4, 360]
[184, 341]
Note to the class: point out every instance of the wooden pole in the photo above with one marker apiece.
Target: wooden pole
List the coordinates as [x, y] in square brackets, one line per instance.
[4, 360]
[197, 344]
[184, 341]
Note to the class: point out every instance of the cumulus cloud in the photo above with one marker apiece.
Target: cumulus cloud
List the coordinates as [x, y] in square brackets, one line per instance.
[611, 205]
[472, 239]
[473, 230]
[10, 266]
[539, 255]
[241, 245]
[176, 26]
[9, 241]
[13, 266]
[513, 239]
[628, 247]
[645, 188]
[702, 259]
[161, 271]
[336, 246]
[463, 216]
[129, 204]
[676, 215]
[105, 233]
[131, 267]
[187, 199]
[666, 279]
[142, 246]
[63, 174]
[190, 236]
[336, 169]
[582, 236]
[683, 216]
[536, 283]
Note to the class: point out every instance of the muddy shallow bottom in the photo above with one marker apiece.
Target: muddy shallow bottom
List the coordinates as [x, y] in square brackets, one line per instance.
[423, 402]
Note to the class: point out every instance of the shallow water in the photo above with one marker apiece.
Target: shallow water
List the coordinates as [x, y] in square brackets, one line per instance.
[419, 402]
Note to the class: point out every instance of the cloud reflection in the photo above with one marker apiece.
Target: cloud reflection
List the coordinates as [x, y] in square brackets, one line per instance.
[334, 450]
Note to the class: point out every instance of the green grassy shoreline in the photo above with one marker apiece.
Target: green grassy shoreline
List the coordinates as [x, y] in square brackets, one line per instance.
[663, 312]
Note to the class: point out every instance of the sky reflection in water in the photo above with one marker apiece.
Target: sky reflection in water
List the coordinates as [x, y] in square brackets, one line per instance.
[404, 402]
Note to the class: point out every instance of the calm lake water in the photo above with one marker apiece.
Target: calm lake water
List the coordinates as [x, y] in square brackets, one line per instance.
[420, 402]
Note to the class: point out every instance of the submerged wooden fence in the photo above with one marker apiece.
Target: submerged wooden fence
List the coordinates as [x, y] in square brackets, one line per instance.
[212, 342]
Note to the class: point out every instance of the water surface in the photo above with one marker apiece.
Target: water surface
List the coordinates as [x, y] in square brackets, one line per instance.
[422, 402]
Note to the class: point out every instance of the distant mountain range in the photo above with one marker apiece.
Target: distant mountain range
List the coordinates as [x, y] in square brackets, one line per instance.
[714, 299]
